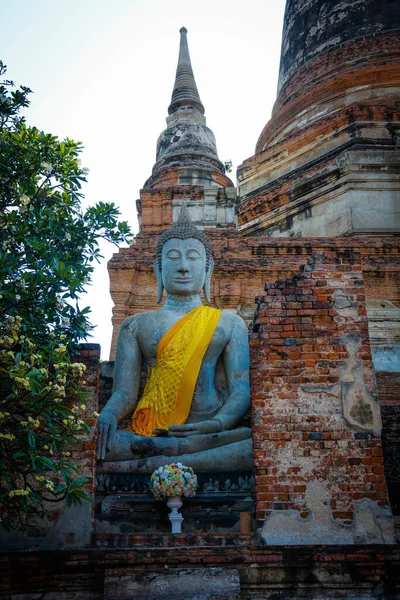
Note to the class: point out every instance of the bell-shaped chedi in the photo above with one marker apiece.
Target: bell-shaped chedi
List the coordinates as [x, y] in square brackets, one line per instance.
[186, 150]
[187, 161]
[326, 163]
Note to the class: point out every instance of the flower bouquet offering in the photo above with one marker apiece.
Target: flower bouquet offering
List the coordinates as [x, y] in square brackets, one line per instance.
[173, 480]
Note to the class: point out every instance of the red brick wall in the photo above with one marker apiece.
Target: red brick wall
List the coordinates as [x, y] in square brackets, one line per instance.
[317, 174]
[299, 435]
[84, 453]
[389, 395]
[335, 571]
[372, 61]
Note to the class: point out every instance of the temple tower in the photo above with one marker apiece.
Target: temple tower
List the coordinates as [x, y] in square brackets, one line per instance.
[327, 163]
[187, 156]
[188, 169]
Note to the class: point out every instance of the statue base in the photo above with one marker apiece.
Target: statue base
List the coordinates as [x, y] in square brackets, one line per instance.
[124, 504]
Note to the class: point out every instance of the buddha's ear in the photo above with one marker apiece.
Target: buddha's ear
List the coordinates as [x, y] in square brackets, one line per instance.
[207, 281]
[160, 286]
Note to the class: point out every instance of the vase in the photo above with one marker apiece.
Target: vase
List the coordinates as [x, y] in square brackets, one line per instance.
[174, 503]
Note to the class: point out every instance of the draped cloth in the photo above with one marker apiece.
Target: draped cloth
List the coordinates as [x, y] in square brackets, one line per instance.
[168, 394]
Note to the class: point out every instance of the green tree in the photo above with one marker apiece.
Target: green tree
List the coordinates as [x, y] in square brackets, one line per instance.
[48, 248]
[228, 166]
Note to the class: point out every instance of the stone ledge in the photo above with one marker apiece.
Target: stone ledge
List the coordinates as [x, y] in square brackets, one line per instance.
[301, 571]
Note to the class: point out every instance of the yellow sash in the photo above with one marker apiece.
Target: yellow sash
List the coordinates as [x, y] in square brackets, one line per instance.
[168, 394]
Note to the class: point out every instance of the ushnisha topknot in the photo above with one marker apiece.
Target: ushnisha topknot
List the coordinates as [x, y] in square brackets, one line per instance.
[184, 229]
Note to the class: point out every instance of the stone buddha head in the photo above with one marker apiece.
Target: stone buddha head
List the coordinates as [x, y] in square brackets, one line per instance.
[184, 263]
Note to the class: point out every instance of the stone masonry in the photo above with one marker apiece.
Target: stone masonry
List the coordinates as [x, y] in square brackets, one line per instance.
[318, 457]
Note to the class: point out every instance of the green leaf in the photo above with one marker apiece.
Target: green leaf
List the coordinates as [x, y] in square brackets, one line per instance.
[35, 496]
[83, 495]
[67, 476]
[19, 455]
[47, 463]
[32, 440]
[71, 466]
[78, 482]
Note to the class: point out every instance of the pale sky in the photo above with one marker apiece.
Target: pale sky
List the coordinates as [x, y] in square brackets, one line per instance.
[102, 73]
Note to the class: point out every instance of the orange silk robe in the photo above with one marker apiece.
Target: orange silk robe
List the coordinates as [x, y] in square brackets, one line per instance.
[168, 394]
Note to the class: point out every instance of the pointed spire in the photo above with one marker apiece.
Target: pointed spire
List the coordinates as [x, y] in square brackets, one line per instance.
[185, 91]
[187, 140]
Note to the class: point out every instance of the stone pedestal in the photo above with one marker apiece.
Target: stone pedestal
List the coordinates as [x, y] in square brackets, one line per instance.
[174, 504]
[125, 505]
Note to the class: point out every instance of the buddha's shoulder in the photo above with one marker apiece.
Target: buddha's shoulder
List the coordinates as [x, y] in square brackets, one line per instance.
[141, 321]
[231, 319]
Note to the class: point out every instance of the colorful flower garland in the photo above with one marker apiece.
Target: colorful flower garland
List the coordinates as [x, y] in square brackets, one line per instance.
[173, 480]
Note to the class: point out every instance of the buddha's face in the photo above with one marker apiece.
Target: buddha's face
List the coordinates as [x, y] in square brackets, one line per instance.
[183, 266]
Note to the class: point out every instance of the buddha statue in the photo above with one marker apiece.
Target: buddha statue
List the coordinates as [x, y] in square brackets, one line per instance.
[181, 415]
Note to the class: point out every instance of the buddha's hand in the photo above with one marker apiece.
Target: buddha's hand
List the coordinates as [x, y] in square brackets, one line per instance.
[190, 429]
[107, 426]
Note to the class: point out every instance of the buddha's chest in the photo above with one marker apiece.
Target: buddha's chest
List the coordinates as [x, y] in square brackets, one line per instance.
[150, 336]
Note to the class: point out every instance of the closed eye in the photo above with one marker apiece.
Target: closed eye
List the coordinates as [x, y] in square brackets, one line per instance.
[173, 256]
[193, 256]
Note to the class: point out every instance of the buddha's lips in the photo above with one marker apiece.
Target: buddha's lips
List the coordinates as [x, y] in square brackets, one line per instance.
[181, 280]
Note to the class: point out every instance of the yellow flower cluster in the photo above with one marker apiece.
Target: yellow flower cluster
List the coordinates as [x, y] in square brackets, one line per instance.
[34, 422]
[34, 357]
[59, 389]
[73, 423]
[78, 368]
[25, 200]
[24, 381]
[20, 492]
[7, 436]
[47, 377]
[17, 319]
[60, 365]
[30, 422]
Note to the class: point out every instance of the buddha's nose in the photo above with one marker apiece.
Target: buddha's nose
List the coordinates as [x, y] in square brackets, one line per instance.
[183, 265]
